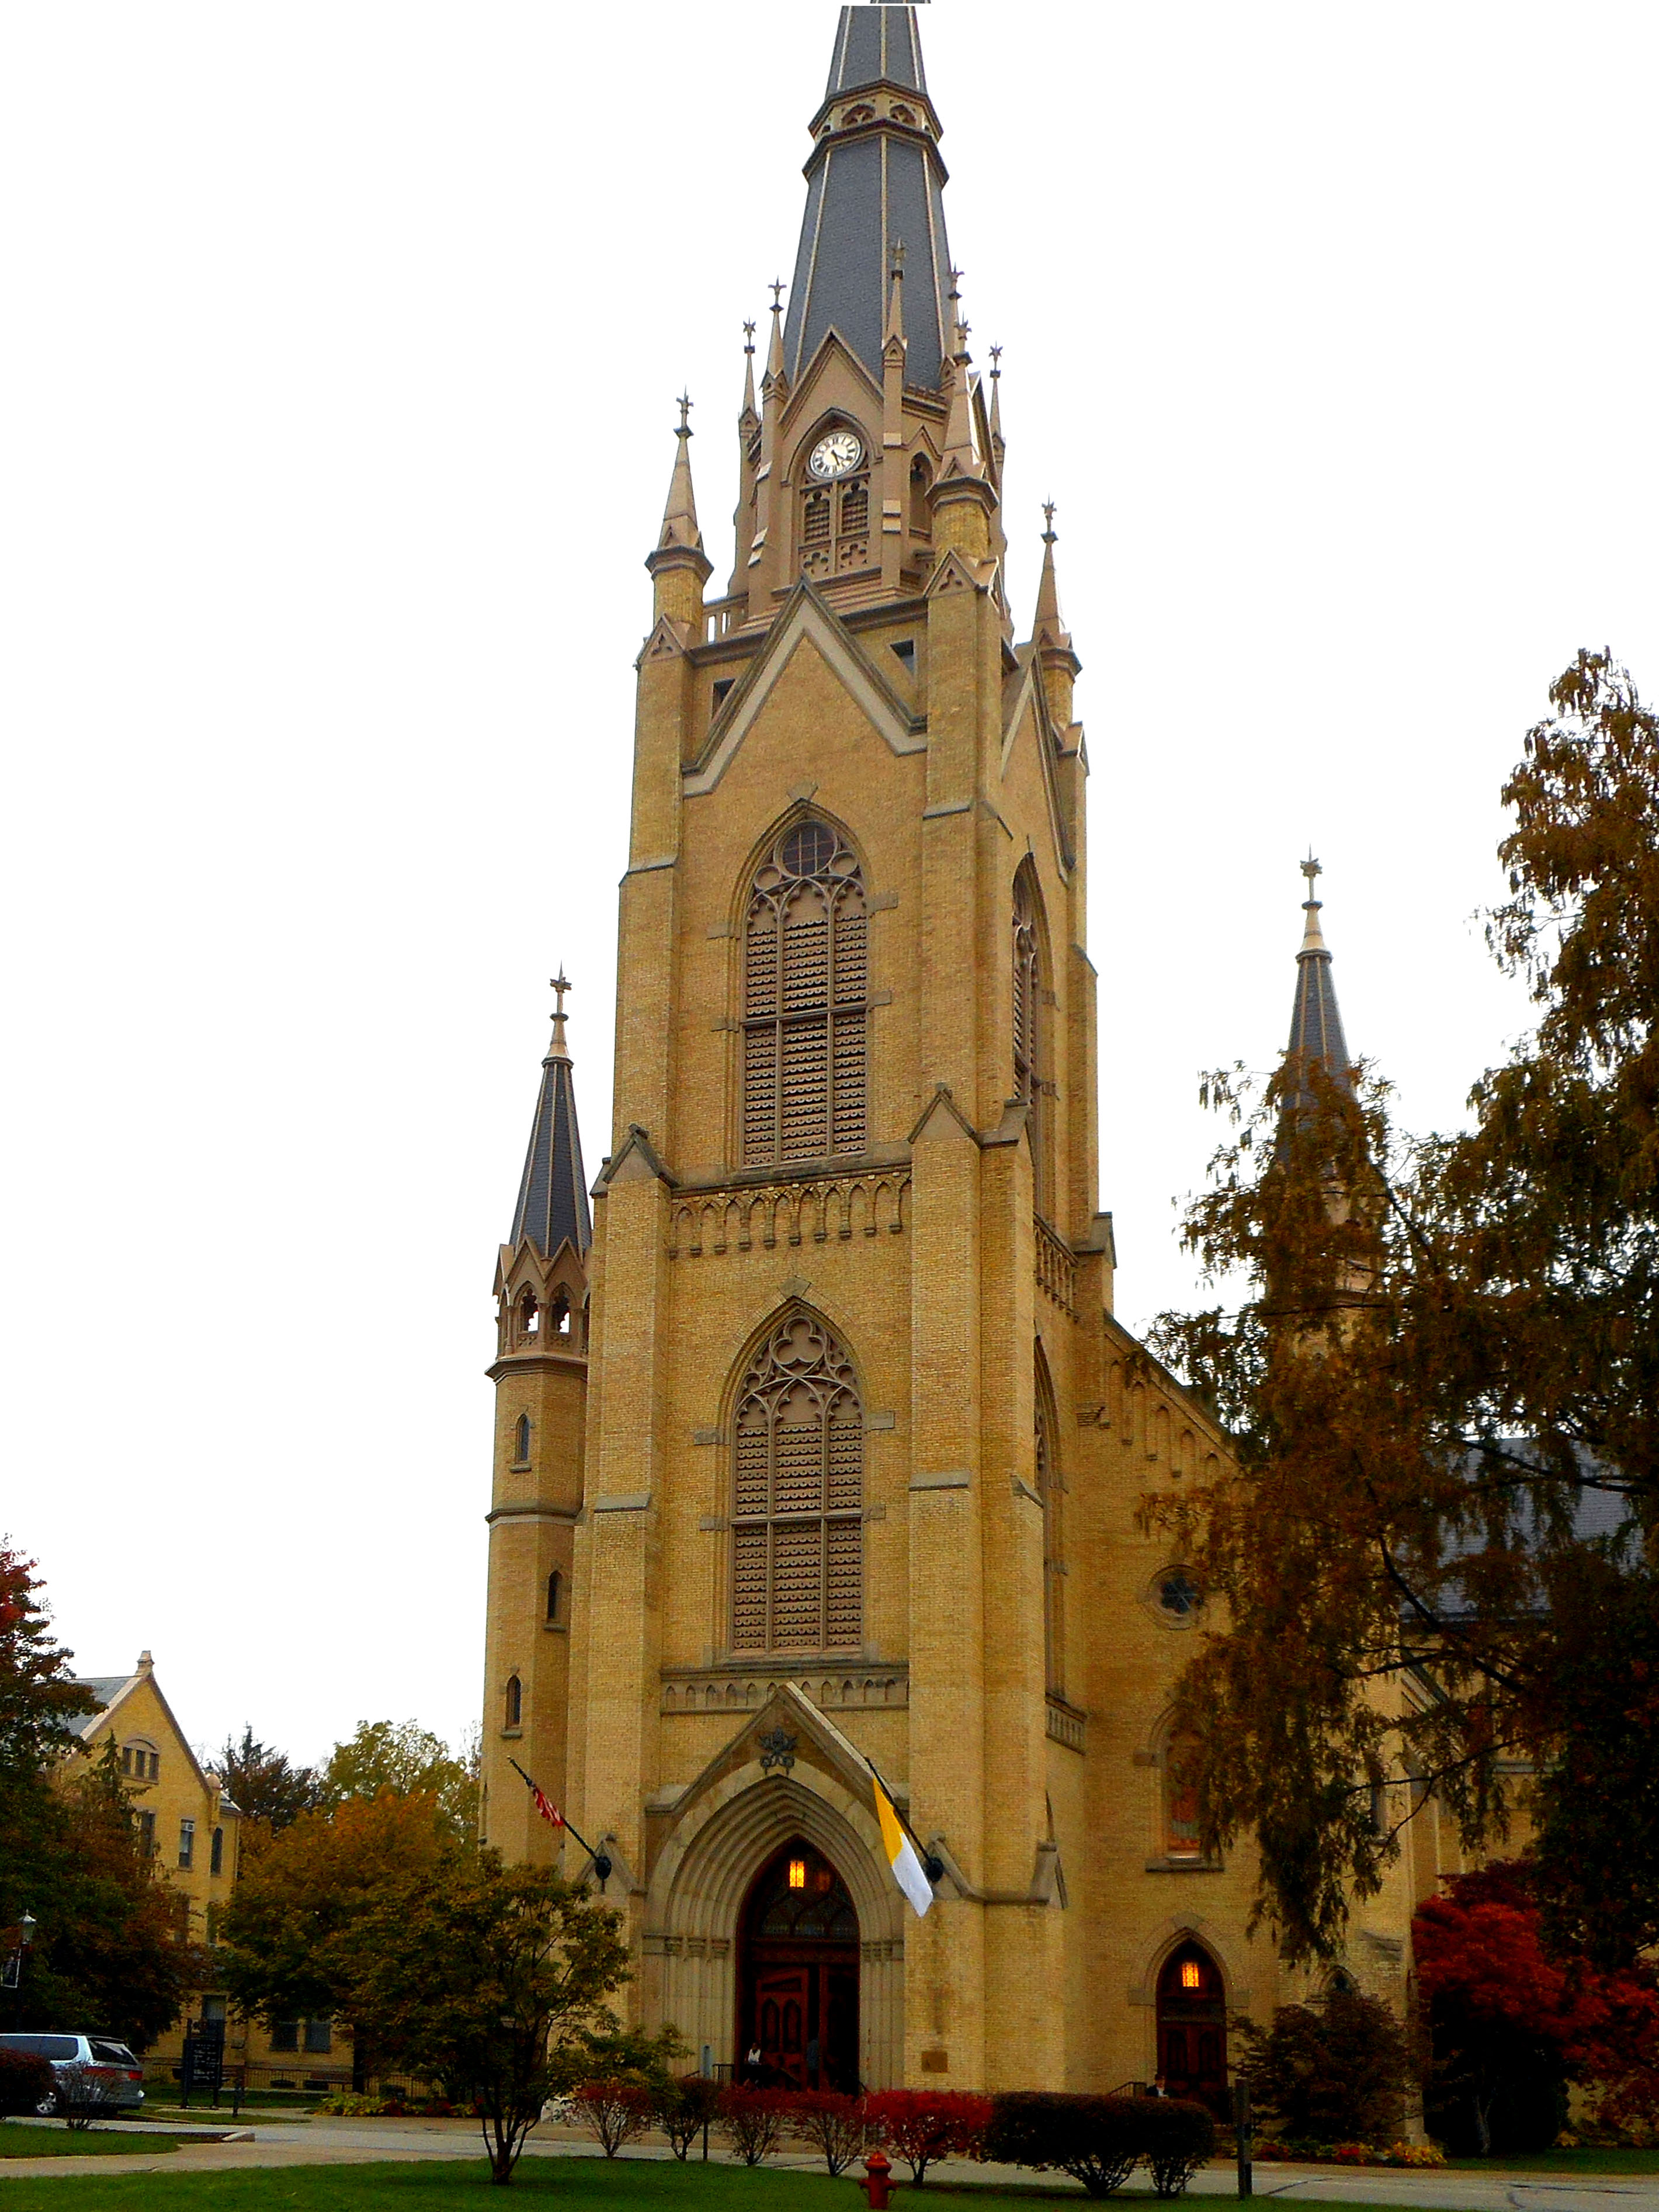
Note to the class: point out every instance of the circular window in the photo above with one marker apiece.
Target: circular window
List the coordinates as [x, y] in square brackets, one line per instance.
[1177, 1593]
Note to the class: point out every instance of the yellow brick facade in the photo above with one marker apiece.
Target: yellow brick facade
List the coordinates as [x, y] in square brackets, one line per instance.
[1012, 1674]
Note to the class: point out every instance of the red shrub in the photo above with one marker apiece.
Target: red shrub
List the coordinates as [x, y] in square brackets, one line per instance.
[25, 2080]
[616, 2110]
[833, 2123]
[923, 2124]
[754, 2121]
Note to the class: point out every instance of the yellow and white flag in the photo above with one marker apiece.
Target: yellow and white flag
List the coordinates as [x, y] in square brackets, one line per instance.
[908, 1870]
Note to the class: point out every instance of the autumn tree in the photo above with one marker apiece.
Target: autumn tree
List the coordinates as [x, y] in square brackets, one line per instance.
[407, 1759]
[1442, 1378]
[262, 1784]
[1512, 2024]
[111, 1951]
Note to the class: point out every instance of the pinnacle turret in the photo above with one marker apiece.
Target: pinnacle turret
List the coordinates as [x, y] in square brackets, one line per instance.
[552, 1208]
[679, 519]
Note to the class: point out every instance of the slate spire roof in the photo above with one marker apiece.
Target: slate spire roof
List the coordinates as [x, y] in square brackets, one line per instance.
[874, 180]
[1315, 1021]
[553, 1195]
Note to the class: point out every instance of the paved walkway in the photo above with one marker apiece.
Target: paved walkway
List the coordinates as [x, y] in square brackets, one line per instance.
[324, 2141]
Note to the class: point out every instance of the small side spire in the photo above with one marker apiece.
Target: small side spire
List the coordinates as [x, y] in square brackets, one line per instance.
[894, 332]
[750, 415]
[552, 1208]
[999, 443]
[1315, 1021]
[1051, 642]
[679, 516]
[679, 567]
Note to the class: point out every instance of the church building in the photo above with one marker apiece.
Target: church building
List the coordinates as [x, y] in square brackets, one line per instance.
[818, 1450]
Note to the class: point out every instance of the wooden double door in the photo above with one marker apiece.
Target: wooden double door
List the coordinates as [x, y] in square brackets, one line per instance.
[798, 2008]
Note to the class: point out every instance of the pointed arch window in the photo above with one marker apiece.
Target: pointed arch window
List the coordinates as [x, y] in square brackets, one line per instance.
[512, 1704]
[798, 1501]
[1030, 1040]
[1051, 1490]
[806, 1000]
[522, 1441]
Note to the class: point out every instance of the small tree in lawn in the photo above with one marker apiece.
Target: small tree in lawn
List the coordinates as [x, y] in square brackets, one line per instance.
[491, 1979]
[924, 2125]
[1338, 2072]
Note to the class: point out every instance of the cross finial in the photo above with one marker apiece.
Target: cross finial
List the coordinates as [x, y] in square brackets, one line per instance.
[996, 361]
[956, 284]
[1047, 522]
[1312, 871]
[898, 259]
[685, 430]
[777, 295]
[748, 337]
[559, 985]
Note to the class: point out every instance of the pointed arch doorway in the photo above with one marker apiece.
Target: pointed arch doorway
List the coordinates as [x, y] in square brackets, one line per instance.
[798, 1974]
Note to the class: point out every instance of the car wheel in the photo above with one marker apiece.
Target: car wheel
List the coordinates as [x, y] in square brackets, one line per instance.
[48, 2108]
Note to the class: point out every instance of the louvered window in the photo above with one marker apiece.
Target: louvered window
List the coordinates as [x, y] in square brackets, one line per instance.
[834, 527]
[806, 1013]
[798, 1497]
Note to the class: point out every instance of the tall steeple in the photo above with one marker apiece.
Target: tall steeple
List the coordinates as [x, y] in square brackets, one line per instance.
[552, 1208]
[1315, 1022]
[874, 180]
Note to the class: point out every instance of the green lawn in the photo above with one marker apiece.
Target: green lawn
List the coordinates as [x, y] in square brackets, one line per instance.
[562, 2184]
[60, 2142]
[1561, 2161]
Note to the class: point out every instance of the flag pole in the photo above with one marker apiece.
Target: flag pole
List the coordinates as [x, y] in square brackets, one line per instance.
[932, 1864]
[601, 1859]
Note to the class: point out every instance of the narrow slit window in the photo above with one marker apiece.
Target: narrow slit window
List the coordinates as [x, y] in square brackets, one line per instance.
[521, 1440]
[514, 1702]
[553, 1595]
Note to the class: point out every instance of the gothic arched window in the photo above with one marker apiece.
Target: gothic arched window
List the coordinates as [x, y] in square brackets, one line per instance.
[522, 1441]
[512, 1704]
[805, 982]
[798, 1503]
[1030, 1056]
[1182, 1754]
[1050, 1490]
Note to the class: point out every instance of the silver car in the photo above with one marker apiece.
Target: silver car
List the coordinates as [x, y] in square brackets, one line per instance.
[91, 2069]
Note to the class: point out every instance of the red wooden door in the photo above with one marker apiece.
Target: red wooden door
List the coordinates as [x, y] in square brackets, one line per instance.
[781, 2021]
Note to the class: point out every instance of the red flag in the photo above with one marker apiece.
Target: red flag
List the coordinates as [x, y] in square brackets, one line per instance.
[545, 1807]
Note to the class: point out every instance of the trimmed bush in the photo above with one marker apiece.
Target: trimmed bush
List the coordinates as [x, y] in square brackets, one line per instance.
[26, 2079]
[1338, 2072]
[683, 2107]
[754, 2121]
[1096, 2140]
[1177, 2137]
[615, 2109]
[832, 2122]
[924, 2125]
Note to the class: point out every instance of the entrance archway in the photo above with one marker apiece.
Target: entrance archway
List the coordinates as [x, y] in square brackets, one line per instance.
[1192, 2027]
[798, 1995]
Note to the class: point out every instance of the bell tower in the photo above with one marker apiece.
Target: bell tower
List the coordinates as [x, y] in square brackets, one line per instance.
[540, 1374]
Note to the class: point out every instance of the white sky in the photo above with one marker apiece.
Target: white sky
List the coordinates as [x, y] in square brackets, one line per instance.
[341, 343]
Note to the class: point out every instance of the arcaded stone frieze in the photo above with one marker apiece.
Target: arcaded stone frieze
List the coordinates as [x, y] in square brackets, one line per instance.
[832, 1689]
[742, 1216]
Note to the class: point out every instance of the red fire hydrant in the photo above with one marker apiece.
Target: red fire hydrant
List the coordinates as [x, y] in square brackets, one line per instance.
[876, 2186]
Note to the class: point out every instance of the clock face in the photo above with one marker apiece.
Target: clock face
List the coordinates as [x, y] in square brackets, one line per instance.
[835, 453]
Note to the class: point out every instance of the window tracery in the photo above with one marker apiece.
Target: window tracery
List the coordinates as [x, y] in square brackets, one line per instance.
[834, 522]
[798, 1503]
[806, 1000]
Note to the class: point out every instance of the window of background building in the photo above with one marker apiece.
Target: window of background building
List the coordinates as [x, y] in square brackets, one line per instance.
[216, 1860]
[285, 2035]
[146, 1835]
[186, 1843]
[319, 2035]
